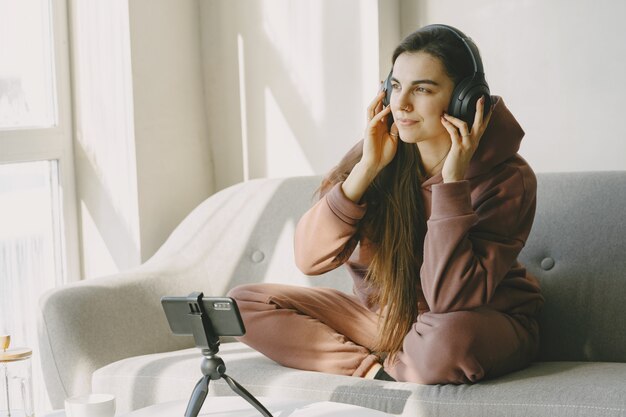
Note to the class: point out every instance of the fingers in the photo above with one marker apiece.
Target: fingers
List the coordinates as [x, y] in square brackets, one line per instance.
[480, 110]
[452, 130]
[379, 107]
[375, 106]
[478, 117]
[380, 116]
[455, 126]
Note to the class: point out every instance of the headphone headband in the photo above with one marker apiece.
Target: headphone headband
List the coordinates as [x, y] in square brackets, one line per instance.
[467, 91]
[467, 41]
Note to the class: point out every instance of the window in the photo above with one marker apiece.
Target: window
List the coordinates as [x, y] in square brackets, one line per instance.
[38, 228]
[26, 70]
[30, 241]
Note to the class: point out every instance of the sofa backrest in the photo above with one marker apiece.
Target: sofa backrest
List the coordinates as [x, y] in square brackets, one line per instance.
[243, 234]
[577, 249]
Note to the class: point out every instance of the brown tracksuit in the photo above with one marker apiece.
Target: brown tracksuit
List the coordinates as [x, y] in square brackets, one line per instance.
[477, 303]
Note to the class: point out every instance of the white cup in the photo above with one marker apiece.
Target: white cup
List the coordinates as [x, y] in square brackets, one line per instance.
[90, 405]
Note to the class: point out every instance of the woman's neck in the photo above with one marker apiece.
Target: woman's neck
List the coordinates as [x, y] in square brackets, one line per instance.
[433, 155]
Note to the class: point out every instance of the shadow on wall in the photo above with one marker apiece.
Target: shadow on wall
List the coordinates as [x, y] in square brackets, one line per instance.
[289, 122]
[107, 222]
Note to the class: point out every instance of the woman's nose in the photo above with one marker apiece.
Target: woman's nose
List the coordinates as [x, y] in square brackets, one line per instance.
[403, 102]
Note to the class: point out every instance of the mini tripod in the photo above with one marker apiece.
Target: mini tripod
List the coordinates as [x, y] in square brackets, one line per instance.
[213, 367]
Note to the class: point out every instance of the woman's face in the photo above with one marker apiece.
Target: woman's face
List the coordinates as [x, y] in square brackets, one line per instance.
[421, 92]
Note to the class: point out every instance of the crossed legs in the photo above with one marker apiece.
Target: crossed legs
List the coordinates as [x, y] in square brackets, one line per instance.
[463, 347]
[325, 330]
[317, 329]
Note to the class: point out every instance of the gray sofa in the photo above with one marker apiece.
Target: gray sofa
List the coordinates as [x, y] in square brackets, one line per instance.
[110, 334]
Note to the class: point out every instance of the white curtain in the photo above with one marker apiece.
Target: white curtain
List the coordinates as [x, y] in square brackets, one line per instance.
[29, 261]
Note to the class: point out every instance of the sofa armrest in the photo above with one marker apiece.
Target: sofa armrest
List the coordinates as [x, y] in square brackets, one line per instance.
[239, 235]
[86, 325]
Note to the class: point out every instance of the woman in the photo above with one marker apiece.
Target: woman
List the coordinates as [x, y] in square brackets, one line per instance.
[429, 216]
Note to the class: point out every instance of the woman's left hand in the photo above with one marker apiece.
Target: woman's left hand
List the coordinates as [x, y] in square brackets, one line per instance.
[464, 142]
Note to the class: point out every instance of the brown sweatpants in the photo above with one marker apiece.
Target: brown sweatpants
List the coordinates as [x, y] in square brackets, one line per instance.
[325, 330]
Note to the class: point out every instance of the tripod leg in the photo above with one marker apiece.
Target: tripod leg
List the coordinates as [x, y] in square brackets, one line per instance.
[197, 397]
[246, 395]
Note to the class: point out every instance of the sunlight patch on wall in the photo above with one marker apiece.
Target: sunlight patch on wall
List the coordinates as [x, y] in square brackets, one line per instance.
[284, 156]
[105, 146]
[242, 107]
[295, 30]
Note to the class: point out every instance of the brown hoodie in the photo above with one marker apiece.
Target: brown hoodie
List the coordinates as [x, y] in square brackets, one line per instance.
[475, 231]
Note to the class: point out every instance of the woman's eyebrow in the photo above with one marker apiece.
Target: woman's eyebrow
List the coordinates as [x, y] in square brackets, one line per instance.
[425, 81]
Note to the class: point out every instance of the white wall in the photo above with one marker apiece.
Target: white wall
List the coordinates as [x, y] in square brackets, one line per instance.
[287, 83]
[104, 150]
[559, 65]
[143, 158]
[202, 94]
[174, 159]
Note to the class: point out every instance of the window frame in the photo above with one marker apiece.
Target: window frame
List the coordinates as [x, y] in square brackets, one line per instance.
[55, 142]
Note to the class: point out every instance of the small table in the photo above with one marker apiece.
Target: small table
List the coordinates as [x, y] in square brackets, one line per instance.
[237, 407]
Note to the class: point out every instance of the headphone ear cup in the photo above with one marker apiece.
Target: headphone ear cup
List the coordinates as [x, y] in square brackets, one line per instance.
[387, 99]
[456, 101]
[465, 96]
[387, 87]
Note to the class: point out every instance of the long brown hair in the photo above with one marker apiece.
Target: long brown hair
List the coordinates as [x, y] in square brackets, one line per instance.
[395, 221]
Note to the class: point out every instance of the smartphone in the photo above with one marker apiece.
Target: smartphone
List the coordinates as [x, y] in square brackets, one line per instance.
[222, 312]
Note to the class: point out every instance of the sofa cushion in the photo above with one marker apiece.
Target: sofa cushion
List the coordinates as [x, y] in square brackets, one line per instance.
[545, 389]
[577, 250]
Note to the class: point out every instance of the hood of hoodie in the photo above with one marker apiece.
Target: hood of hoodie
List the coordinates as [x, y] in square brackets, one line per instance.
[500, 141]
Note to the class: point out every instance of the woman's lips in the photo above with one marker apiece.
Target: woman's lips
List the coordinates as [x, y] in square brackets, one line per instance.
[406, 122]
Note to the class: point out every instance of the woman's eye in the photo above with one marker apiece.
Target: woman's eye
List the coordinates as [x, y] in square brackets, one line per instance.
[395, 86]
[422, 90]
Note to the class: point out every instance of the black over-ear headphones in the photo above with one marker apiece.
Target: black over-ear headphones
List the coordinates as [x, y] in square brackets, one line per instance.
[467, 91]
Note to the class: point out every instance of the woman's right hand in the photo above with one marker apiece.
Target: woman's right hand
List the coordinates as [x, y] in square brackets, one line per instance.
[379, 144]
[379, 148]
